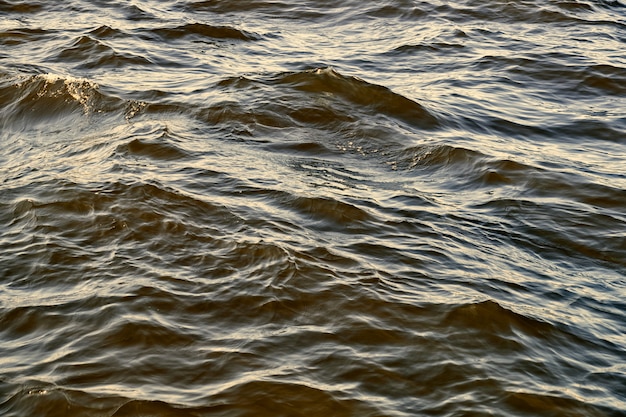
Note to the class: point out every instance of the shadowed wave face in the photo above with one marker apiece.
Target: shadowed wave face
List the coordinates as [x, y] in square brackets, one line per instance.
[327, 208]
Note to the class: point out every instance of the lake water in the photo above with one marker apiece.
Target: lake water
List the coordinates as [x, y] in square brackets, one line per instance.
[312, 208]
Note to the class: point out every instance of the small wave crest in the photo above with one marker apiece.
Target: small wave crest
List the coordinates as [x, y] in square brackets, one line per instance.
[89, 53]
[204, 30]
[327, 81]
[48, 96]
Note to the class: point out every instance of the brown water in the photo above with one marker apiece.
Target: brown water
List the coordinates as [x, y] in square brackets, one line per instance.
[321, 208]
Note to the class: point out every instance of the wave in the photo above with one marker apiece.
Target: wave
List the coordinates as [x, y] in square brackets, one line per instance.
[156, 143]
[45, 96]
[440, 47]
[235, 6]
[519, 11]
[424, 347]
[107, 32]
[320, 99]
[8, 6]
[51, 101]
[20, 36]
[255, 397]
[89, 53]
[594, 79]
[287, 10]
[168, 271]
[165, 151]
[202, 30]
[326, 82]
[574, 233]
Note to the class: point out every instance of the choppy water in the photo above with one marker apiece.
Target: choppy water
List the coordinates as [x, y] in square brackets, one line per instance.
[320, 208]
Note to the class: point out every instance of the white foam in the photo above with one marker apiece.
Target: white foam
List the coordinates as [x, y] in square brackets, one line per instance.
[80, 89]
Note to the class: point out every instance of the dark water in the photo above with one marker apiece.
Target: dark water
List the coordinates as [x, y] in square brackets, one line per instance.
[320, 208]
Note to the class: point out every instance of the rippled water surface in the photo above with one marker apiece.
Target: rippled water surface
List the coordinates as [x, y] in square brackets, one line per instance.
[313, 208]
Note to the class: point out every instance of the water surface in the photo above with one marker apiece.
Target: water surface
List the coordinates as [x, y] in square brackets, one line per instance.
[321, 208]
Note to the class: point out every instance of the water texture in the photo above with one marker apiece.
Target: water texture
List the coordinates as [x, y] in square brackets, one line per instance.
[320, 208]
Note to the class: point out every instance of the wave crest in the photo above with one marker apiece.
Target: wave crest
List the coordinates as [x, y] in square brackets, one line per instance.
[45, 96]
[327, 81]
